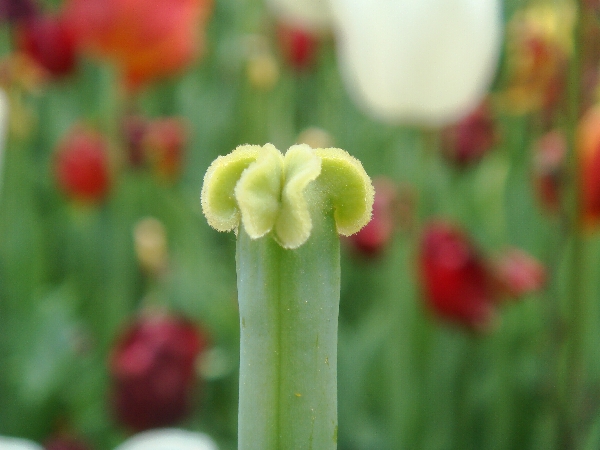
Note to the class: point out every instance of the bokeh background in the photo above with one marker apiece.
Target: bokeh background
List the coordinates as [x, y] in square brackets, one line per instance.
[470, 305]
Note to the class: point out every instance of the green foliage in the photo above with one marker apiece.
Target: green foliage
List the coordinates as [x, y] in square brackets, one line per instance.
[69, 278]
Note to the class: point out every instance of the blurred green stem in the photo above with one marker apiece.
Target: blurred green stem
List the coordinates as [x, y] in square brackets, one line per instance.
[430, 142]
[576, 303]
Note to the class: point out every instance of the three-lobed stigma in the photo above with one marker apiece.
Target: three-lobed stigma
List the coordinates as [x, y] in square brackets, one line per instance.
[267, 191]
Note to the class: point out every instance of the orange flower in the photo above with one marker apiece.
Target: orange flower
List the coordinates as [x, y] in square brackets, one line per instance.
[588, 143]
[146, 39]
[538, 47]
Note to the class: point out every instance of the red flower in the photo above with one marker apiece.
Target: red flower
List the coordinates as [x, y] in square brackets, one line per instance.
[298, 46]
[153, 370]
[588, 146]
[548, 169]
[378, 233]
[146, 39]
[82, 166]
[455, 280]
[519, 273]
[48, 41]
[467, 141]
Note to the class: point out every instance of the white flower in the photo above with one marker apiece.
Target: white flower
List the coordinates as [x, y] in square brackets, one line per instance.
[168, 439]
[307, 14]
[9, 443]
[418, 61]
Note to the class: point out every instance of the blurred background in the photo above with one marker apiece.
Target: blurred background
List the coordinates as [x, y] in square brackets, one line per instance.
[470, 304]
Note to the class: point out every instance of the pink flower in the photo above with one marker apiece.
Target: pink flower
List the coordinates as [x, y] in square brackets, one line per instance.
[519, 273]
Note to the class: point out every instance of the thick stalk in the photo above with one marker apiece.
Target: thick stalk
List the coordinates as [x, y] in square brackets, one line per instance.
[576, 302]
[289, 302]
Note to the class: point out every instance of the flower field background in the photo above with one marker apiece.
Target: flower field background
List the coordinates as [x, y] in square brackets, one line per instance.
[470, 304]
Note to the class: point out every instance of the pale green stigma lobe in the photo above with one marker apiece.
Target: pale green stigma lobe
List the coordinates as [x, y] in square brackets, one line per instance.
[268, 191]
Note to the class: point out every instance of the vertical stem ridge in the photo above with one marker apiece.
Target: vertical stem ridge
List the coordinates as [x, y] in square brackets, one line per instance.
[289, 303]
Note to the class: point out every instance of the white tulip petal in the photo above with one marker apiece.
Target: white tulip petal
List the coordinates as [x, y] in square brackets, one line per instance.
[10, 443]
[425, 61]
[168, 439]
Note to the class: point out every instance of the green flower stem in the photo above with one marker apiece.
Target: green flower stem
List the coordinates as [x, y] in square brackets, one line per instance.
[289, 301]
[287, 211]
[576, 302]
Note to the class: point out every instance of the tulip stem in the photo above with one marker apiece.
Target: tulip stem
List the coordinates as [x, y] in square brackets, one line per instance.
[287, 212]
[289, 301]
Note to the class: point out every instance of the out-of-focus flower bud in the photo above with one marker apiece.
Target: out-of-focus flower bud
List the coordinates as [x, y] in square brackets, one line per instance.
[11, 443]
[455, 280]
[150, 243]
[377, 235]
[538, 47]
[19, 70]
[146, 39]
[152, 367]
[81, 166]
[548, 169]
[313, 15]
[262, 70]
[298, 46]
[588, 148]
[168, 438]
[518, 273]
[66, 442]
[134, 130]
[467, 141]
[315, 138]
[16, 10]
[426, 62]
[163, 143]
[50, 42]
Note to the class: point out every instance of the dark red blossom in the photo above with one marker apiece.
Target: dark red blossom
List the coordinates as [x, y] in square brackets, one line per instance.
[49, 42]
[467, 141]
[153, 370]
[455, 280]
[16, 10]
